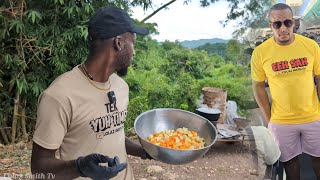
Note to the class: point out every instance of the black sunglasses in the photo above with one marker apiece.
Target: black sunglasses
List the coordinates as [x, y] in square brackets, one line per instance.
[277, 24]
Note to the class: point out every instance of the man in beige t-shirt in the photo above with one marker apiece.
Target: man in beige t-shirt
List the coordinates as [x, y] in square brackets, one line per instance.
[81, 116]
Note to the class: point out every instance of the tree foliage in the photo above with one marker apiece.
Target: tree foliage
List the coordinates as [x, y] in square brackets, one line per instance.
[171, 76]
[232, 52]
[41, 39]
[216, 48]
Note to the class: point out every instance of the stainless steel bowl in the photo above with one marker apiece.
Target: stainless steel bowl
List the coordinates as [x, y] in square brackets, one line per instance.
[157, 120]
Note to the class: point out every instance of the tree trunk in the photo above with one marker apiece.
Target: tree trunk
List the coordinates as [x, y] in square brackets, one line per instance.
[15, 117]
[23, 120]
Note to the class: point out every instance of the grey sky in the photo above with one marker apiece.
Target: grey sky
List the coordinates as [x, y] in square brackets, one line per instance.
[189, 22]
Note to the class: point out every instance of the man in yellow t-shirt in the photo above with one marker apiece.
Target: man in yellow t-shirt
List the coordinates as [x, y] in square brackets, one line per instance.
[289, 62]
[79, 132]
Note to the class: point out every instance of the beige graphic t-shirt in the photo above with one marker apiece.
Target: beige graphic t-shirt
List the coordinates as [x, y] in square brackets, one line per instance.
[78, 119]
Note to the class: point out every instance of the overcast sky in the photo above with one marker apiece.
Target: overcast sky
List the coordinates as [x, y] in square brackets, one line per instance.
[189, 22]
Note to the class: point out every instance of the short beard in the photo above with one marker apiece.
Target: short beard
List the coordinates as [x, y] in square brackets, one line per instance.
[123, 63]
[122, 72]
[284, 42]
[281, 42]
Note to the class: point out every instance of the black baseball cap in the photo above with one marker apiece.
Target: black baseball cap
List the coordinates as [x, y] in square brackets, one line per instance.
[108, 22]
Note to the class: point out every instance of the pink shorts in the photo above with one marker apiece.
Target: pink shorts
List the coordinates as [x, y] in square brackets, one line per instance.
[293, 139]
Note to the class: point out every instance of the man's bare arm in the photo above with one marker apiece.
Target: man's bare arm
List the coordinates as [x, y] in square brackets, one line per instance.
[134, 149]
[43, 161]
[261, 96]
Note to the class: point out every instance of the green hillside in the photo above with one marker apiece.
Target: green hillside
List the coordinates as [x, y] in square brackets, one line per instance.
[216, 48]
[200, 42]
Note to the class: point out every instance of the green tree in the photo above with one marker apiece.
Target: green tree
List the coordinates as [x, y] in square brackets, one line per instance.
[216, 48]
[233, 51]
[39, 41]
[170, 82]
[42, 39]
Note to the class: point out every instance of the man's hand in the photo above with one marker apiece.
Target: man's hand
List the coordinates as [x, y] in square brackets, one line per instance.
[88, 166]
[262, 99]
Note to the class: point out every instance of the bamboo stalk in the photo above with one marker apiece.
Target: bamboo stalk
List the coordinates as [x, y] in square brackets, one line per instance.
[8, 134]
[23, 120]
[4, 136]
[28, 117]
[15, 117]
[18, 132]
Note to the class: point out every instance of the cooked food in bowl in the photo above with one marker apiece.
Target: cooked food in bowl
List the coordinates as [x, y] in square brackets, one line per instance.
[162, 119]
[181, 139]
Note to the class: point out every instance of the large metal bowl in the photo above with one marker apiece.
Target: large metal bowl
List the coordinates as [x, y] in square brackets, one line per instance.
[157, 120]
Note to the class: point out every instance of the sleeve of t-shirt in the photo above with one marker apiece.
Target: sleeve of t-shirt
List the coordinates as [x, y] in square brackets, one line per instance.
[257, 72]
[316, 66]
[52, 122]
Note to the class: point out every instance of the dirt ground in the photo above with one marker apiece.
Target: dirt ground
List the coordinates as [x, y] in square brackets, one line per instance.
[224, 161]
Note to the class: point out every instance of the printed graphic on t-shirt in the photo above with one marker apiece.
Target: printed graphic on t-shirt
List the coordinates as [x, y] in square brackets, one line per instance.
[111, 123]
[292, 65]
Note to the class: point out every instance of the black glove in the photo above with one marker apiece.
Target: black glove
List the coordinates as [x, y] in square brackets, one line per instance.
[88, 166]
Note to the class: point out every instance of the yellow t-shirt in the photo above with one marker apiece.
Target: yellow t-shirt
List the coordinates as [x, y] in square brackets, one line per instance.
[289, 71]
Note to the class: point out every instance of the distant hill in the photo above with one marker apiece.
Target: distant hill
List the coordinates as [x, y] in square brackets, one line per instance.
[200, 42]
[216, 48]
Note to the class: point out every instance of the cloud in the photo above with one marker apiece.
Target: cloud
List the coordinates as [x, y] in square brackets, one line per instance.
[190, 22]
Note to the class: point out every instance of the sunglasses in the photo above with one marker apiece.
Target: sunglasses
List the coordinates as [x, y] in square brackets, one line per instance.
[277, 24]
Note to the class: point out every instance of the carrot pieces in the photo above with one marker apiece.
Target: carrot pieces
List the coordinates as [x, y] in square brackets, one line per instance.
[181, 138]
